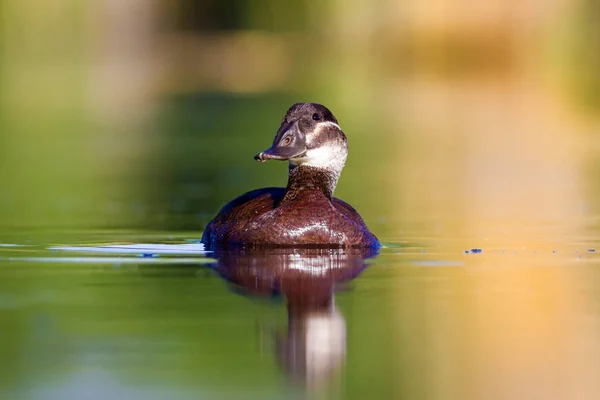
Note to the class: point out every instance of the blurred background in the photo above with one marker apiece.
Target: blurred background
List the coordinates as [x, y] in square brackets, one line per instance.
[147, 113]
[470, 124]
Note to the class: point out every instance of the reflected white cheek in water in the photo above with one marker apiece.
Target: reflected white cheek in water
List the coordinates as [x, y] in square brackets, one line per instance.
[325, 344]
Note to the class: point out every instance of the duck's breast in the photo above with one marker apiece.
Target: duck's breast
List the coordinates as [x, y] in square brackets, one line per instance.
[258, 218]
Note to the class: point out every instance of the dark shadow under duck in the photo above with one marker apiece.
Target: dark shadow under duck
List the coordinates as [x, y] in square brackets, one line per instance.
[305, 213]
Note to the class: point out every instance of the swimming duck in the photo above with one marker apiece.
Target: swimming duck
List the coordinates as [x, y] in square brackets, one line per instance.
[305, 213]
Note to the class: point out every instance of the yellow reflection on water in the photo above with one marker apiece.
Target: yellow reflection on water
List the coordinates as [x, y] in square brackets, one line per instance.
[513, 321]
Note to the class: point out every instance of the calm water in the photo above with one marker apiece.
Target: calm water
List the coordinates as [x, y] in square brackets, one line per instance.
[421, 319]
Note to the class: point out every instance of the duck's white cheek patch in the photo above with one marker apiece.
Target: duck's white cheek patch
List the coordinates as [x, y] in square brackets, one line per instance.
[320, 156]
[325, 157]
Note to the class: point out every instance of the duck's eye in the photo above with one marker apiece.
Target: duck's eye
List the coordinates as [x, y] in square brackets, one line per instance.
[316, 117]
[286, 141]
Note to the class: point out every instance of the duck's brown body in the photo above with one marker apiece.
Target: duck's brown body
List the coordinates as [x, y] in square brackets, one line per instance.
[303, 214]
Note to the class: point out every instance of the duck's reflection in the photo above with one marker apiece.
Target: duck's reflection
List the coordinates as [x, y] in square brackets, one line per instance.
[315, 344]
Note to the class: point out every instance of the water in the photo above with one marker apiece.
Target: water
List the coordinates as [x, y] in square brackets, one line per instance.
[131, 326]
[421, 319]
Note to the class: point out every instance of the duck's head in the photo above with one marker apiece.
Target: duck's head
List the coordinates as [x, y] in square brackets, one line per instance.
[309, 135]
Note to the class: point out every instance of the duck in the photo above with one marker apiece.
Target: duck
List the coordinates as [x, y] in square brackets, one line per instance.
[304, 213]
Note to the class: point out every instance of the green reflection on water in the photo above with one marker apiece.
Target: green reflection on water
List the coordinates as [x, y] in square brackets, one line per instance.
[177, 328]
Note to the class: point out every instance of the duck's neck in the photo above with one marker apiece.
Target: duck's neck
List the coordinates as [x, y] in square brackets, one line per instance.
[302, 178]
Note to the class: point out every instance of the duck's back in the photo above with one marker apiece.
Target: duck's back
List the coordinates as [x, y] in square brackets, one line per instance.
[256, 218]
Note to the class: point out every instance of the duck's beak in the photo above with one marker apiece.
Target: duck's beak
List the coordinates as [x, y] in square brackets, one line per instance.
[269, 154]
[288, 143]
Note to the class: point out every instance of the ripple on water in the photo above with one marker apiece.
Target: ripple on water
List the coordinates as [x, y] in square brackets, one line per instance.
[138, 253]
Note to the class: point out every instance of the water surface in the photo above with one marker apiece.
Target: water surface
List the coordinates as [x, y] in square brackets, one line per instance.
[426, 319]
